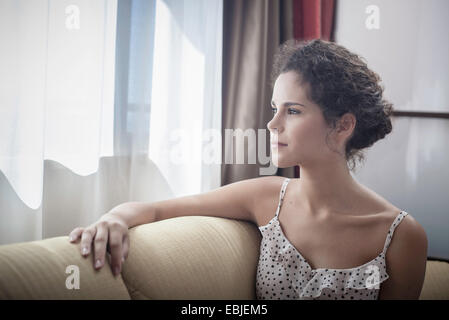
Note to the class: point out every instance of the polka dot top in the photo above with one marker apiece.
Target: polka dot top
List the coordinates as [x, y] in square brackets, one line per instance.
[284, 274]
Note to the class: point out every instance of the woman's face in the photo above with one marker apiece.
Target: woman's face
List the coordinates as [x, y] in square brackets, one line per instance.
[300, 125]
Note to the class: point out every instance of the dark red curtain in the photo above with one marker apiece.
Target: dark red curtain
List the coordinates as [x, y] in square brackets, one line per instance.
[313, 19]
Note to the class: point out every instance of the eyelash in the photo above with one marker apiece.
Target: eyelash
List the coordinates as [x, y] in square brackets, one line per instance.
[296, 111]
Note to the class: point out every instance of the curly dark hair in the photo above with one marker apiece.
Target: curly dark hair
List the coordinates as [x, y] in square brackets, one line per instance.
[340, 82]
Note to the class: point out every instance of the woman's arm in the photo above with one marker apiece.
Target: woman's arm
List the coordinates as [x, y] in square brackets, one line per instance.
[406, 262]
[236, 200]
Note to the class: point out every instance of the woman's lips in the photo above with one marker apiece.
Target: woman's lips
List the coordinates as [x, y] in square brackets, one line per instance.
[278, 144]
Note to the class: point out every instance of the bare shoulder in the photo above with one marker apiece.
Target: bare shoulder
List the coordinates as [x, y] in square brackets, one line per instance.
[238, 200]
[252, 199]
[409, 235]
[265, 199]
[406, 261]
[260, 196]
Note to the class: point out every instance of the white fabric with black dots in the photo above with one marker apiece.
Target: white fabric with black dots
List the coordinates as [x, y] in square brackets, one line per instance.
[284, 274]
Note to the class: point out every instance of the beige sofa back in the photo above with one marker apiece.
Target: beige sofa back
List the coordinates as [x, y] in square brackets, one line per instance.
[37, 270]
[182, 258]
[192, 257]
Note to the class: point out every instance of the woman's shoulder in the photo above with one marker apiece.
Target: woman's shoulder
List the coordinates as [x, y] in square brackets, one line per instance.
[386, 212]
[374, 202]
[266, 197]
[268, 185]
[406, 260]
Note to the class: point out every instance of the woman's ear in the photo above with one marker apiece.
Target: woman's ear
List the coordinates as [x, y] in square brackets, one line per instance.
[347, 123]
[343, 131]
[345, 128]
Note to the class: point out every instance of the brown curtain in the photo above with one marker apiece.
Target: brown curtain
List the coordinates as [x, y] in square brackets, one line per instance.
[252, 31]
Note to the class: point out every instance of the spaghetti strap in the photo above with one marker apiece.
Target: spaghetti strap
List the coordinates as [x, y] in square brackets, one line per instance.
[395, 223]
[281, 196]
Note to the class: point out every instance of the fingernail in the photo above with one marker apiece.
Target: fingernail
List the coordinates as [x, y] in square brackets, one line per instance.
[85, 250]
[117, 271]
[71, 238]
[123, 259]
[98, 263]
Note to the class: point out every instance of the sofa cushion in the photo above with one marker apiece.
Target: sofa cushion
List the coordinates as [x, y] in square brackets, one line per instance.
[193, 257]
[436, 281]
[37, 270]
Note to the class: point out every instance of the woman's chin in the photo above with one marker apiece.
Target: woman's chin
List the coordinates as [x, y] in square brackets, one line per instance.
[280, 164]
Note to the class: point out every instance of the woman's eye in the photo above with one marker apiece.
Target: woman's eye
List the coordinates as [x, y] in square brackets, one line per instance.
[293, 110]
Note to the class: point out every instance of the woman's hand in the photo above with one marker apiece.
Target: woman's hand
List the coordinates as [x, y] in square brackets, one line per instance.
[109, 233]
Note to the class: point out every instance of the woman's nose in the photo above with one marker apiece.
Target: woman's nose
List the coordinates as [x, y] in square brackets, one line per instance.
[273, 126]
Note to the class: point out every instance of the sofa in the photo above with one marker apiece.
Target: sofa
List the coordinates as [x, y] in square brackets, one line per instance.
[190, 257]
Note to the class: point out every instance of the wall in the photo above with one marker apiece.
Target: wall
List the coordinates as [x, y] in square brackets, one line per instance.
[410, 52]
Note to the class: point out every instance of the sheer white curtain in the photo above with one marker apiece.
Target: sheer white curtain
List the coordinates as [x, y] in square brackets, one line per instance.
[56, 98]
[77, 109]
[185, 138]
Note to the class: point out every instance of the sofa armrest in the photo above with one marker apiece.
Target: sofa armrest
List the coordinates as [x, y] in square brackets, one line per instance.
[436, 281]
[193, 257]
[37, 270]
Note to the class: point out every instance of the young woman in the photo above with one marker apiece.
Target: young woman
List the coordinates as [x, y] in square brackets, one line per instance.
[333, 238]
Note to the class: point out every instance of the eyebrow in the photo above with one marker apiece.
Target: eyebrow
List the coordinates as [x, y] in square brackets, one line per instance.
[288, 104]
